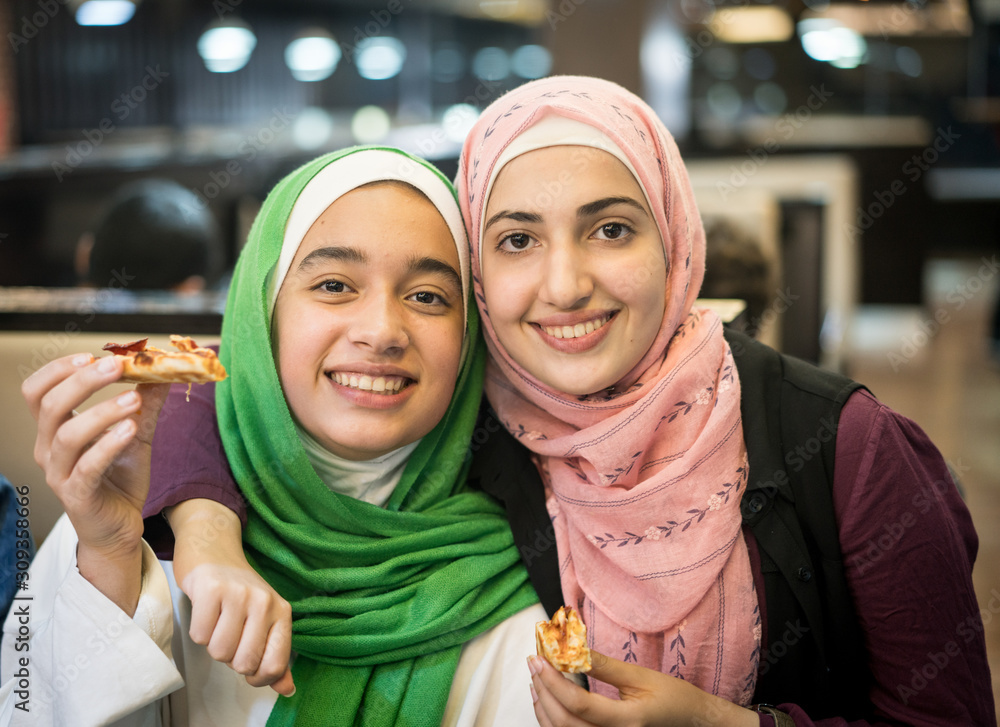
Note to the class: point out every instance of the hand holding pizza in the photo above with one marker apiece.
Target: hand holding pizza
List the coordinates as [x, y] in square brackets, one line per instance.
[646, 696]
[97, 463]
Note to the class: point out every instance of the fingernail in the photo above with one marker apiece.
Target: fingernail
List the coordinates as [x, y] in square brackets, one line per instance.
[534, 694]
[291, 693]
[82, 359]
[107, 365]
[124, 429]
[533, 665]
[127, 399]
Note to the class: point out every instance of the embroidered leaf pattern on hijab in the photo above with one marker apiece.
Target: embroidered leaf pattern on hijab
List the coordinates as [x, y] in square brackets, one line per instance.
[695, 516]
[629, 655]
[677, 649]
[576, 469]
[619, 472]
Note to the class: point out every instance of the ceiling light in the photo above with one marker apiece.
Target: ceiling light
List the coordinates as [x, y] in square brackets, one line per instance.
[105, 12]
[370, 125]
[531, 61]
[491, 64]
[448, 63]
[458, 121]
[752, 24]
[226, 48]
[312, 128]
[313, 56]
[380, 58]
[827, 40]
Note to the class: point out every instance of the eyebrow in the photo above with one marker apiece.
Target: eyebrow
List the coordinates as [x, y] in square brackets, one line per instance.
[436, 267]
[340, 253]
[592, 208]
[587, 210]
[516, 216]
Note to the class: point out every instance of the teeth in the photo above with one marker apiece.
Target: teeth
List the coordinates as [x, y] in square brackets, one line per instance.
[379, 384]
[580, 329]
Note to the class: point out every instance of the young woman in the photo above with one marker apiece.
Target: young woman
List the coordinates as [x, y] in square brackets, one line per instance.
[346, 330]
[735, 526]
[652, 427]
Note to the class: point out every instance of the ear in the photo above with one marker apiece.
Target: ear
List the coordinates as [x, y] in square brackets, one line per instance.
[190, 284]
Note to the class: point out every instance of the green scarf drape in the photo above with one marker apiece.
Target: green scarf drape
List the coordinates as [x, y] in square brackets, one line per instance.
[382, 598]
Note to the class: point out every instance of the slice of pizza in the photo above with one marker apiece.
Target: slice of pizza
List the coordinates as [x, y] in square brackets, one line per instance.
[189, 364]
[563, 641]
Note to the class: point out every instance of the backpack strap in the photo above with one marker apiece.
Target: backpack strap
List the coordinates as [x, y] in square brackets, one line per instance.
[815, 655]
[503, 468]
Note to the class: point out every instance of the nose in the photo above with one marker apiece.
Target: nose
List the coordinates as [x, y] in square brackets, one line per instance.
[380, 325]
[567, 279]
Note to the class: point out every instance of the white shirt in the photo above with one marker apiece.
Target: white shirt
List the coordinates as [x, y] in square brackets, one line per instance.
[88, 663]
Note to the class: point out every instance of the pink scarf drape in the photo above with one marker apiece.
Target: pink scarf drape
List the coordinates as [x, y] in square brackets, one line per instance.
[643, 487]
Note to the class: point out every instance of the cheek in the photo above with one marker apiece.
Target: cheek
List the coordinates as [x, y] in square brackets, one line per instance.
[297, 334]
[509, 293]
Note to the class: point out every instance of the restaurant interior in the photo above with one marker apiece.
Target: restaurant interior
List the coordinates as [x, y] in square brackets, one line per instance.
[853, 145]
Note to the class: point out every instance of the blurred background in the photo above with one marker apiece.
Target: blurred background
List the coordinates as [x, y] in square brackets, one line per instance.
[846, 158]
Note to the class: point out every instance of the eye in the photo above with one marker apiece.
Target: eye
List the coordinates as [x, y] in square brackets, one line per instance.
[426, 297]
[333, 286]
[515, 242]
[614, 231]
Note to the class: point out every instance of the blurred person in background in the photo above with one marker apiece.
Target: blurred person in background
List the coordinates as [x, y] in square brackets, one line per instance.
[153, 235]
[736, 267]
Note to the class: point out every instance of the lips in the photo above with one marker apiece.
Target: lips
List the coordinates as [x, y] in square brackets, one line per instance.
[575, 337]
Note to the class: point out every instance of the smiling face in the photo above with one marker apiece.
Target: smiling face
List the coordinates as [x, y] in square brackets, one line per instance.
[368, 323]
[573, 267]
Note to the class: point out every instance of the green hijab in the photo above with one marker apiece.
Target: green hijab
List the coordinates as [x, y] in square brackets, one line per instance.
[382, 597]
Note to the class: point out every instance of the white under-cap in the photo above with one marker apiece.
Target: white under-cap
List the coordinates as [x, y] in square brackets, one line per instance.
[356, 170]
[555, 130]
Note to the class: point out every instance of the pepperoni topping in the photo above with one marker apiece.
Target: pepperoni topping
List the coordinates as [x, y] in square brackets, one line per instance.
[123, 349]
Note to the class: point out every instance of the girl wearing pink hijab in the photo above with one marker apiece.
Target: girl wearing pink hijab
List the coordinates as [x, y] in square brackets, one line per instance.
[588, 254]
[737, 528]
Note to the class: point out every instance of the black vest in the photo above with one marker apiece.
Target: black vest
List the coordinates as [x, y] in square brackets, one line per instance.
[815, 654]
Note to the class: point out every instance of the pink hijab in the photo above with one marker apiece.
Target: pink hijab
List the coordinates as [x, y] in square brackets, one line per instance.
[643, 487]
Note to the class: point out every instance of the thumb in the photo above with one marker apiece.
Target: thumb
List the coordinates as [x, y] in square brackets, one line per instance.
[285, 686]
[609, 670]
[153, 398]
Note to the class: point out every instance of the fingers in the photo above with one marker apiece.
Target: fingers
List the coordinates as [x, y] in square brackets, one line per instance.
[70, 447]
[616, 672]
[247, 628]
[40, 382]
[226, 637]
[272, 668]
[561, 703]
[285, 686]
[154, 396]
[60, 388]
[540, 715]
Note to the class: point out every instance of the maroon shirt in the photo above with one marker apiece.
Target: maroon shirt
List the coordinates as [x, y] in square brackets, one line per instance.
[907, 539]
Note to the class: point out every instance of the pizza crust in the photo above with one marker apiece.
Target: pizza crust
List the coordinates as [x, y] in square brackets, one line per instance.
[563, 641]
[190, 364]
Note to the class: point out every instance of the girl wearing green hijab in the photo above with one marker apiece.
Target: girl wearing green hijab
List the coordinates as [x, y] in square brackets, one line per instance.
[355, 370]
